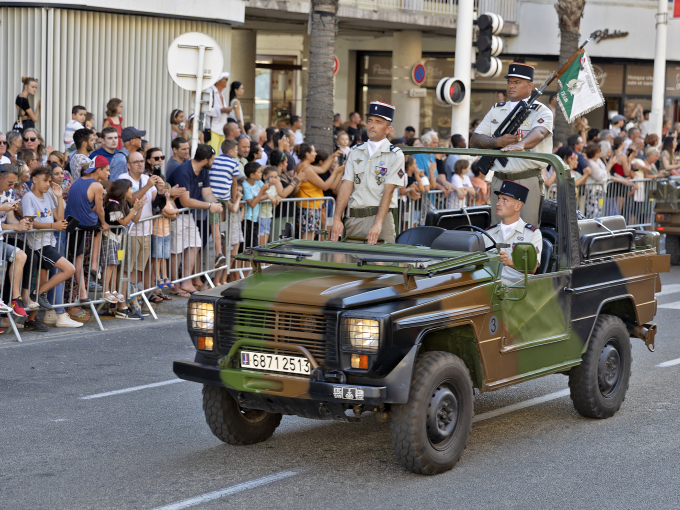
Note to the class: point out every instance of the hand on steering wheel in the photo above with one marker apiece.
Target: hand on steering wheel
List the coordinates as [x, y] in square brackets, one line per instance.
[473, 227]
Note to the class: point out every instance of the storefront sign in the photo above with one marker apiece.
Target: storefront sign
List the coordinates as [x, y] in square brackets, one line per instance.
[639, 80]
[601, 35]
[418, 74]
[609, 78]
[673, 80]
[417, 93]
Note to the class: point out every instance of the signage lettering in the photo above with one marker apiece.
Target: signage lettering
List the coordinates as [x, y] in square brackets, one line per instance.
[601, 35]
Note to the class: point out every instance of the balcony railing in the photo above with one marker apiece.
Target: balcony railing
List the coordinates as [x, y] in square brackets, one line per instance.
[506, 8]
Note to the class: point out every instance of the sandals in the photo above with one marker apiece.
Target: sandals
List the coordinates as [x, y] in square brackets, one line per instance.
[165, 296]
[118, 296]
[111, 297]
[155, 298]
[80, 316]
[182, 293]
[168, 283]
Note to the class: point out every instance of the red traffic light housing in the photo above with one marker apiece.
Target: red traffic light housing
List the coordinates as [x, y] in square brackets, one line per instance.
[450, 91]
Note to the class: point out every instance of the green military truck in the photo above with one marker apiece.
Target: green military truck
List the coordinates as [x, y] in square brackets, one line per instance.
[334, 331]
[666, 196]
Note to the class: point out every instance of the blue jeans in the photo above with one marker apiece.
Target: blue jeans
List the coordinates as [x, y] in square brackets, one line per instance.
[56, 295]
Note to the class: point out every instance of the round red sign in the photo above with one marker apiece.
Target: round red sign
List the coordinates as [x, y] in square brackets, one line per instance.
[418, 74]
[336, 65]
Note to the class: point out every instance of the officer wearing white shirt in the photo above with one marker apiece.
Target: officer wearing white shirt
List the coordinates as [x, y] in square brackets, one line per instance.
[535, 135]
[512, 229]
[373, 172]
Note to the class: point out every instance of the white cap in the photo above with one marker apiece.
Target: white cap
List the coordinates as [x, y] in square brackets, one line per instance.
[225, 74]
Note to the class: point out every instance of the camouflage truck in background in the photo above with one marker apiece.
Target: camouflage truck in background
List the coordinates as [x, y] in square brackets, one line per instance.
[666, 196]
[334, 331]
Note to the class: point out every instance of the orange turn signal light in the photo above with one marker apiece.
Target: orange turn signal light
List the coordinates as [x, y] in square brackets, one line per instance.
[359, 361]
[205, 343]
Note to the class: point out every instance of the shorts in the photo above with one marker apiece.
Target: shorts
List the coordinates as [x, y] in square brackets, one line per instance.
[160, 247]
[265, 226]
[235, 229]
[184, 234]
[7, 252]
[252, 235]
[215, 218]
[76, 241]
[139, 251]
[49, 256]
[310, 220]
[111, 248]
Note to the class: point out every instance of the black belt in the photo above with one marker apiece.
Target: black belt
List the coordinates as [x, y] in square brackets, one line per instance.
[366, 212]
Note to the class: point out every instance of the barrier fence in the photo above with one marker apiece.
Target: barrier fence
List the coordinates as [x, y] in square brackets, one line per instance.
[121, 267]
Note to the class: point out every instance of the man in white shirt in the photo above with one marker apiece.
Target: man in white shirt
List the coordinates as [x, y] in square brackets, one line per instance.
[216, 117]
[296, 128]
[512, 229]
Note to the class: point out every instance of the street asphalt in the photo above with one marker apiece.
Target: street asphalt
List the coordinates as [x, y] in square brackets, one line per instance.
[151, 447]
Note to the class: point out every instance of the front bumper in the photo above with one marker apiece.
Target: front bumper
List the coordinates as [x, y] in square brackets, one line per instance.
[279, 385]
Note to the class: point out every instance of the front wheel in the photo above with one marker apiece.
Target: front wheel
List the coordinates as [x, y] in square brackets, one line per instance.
[598, 385]
[232, 424]
[430, 431]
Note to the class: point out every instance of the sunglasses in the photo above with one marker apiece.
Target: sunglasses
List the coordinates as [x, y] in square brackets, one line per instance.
[158, 158]
[30, 139]
[3, 142]
[242, 136]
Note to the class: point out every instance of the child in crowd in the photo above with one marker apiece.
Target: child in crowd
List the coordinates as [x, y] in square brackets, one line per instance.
[254, 192]
[38, 205]
[343, 145]
[78, 115]
[236, 211]
[270, 175]
[160, 238]
[118, 214]
[480, 184]
[462, 186]
[417, 184]
[177, 125]
[89, 121]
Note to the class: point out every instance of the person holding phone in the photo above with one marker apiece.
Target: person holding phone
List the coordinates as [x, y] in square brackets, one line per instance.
[154, 162]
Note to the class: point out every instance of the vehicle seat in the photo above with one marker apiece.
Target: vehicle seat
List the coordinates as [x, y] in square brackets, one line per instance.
[546, 257]
[597, 241]
[459, 240]
[419, 236]
[549, 234]
[479, 216]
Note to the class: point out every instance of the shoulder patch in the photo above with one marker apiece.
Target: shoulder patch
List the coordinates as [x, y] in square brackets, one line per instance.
[492, 226]
[357, 145]
[531, 227]
[535, 106]
[499, 104]
[394, 148]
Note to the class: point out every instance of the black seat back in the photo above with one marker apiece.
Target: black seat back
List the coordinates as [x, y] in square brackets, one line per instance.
[419, 236]
[549, 234]
[546, 257]
[479, 216]
[459, 240]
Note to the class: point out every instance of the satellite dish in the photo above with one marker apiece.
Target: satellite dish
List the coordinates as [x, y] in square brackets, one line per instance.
[183, 60]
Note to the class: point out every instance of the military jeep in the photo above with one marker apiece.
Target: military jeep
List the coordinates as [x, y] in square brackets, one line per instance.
[335, 331]
[666, 194]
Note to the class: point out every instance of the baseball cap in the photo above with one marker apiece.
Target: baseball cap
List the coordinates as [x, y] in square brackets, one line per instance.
[130, 133]
[617, 118]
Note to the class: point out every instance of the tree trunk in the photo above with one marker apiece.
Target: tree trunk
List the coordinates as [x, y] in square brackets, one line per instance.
[320, 93]
[569, 14]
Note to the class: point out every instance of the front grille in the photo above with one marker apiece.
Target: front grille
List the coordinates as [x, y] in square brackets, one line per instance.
[315, 332]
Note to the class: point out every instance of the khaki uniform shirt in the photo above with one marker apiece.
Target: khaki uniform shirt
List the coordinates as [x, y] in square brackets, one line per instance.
[523, 233]
[370, 174]
[540, 115]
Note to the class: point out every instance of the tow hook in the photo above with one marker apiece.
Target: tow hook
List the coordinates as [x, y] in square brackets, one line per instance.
[646, 332]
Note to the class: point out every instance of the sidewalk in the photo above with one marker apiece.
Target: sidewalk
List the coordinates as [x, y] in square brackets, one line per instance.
[174, 310]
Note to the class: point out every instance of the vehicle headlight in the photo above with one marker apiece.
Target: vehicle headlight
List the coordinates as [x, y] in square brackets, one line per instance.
[360, 335]
[202, 315]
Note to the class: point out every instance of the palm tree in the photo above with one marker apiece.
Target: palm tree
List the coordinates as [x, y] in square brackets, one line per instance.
[320, 93]
[569, 14]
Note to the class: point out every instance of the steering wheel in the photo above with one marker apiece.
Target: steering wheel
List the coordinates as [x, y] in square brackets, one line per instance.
[473, 227]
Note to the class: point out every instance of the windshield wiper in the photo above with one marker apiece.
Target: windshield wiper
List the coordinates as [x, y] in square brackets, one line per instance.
[299, 255]
[369, 260]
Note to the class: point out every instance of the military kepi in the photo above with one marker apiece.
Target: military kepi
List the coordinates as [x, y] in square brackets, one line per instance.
[519, 70]
[380, 109]
[514, 190]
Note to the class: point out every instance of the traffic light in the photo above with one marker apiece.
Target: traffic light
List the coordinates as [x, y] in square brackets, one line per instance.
[450, 91]
[489, 45]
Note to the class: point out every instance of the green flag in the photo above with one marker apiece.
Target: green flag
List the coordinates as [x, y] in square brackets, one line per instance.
[579, 93]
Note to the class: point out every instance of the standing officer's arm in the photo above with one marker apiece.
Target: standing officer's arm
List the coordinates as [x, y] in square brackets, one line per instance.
[483, 137]
[343, 199]
[383, 210]
[535, 136]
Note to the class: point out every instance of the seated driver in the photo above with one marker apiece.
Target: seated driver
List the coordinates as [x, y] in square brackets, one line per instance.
[512, 229]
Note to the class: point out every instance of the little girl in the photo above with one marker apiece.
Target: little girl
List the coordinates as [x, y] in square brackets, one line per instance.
[118, 214]
[343, 145]
[235, 214]
[177, 124]
[160, 238]
[462, 186]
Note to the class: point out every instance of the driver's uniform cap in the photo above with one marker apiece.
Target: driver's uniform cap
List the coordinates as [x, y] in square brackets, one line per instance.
[514, 190]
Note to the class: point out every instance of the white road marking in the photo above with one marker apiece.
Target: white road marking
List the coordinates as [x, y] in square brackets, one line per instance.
[669, 289]
[670, 363]
[675, 305]
[227, 491]
[521, 405]
[134, 388]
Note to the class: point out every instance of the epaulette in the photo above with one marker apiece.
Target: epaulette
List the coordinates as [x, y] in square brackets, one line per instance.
[531, 227]
[499, 104]
[358, 145]
[535, 106]
[492, 226]
[394, 148]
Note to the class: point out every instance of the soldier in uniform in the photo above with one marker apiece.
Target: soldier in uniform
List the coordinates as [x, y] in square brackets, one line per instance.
[511, 199]
[374, 170]
[535, 135]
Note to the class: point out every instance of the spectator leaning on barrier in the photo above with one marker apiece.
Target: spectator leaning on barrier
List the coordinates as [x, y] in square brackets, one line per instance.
[83, 139]
[109, 149]
[430, 139]
[132, 142]
[194, 177]
[180, 154]
[77, 122]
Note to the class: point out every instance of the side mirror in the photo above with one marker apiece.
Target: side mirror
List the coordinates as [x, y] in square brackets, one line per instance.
[524, 257]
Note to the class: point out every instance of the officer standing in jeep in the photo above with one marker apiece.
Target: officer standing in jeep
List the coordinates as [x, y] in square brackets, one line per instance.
[512, 229]
[373, 172]
[535, 135]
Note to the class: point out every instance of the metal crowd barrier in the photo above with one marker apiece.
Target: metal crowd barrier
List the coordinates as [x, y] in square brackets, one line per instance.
[412, 213]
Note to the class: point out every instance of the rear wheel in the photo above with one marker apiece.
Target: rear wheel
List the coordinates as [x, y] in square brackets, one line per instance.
[673, 248]
[599, 384]
[430, 431]
[232, 424]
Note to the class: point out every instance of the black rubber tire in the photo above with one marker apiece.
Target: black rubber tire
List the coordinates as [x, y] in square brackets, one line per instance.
[587, 387]
[412, 445]
[673, 249]
[232, 424]
[549, 214]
